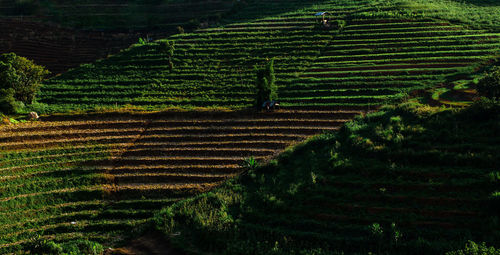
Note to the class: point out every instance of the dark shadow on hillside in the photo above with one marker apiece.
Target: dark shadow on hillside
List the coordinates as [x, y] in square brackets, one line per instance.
[480, 2]
[250, 10]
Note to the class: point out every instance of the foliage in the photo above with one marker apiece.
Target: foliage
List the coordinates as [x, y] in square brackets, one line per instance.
[38, 245]
[250, 163]
[472, 248]
[266, 83]
[489, 85]
[8, 103]
[41, 246]
[167, 48]
[19, 76]
[304, 201]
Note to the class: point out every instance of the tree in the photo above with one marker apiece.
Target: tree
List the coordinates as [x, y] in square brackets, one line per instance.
[266, 84]
[168, 48]
[7, 101]
[22, 75]
[489, 85]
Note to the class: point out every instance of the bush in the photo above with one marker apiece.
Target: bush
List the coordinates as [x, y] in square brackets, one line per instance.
[266, 84]
[489, 85]
[7, 101]
[20, 79]
[38, 245]
[167, 48]
[472, 248]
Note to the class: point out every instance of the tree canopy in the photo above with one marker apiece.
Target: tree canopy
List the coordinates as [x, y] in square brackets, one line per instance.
[20, 80]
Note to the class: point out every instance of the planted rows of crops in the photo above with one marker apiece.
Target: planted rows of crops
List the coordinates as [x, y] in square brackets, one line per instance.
[212, 67]
[102, 175]
[400, 181]
[368, 62]
[371, 61]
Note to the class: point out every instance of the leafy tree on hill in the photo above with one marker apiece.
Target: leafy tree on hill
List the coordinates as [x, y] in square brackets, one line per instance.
[266, 84]
[168, 48]
[20, 80]
[489, 85]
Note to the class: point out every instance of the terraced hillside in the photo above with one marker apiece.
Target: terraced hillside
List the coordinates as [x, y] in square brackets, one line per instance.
[373, 60]
[100, 176]
[406, 180]
[62, 35]
[57, 48]
[368, 62]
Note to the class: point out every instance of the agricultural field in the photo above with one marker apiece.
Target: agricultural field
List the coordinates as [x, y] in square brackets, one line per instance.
[410, 179]
[366, 62]
[164, 136]
[102, 175]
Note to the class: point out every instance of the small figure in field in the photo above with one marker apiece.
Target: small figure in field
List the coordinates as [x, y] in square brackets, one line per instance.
[271, 105]
[33, 116]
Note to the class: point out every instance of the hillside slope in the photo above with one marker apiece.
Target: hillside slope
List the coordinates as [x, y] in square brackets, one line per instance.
[369, 61]
[405, 180]
[65, 34]
[100, 176]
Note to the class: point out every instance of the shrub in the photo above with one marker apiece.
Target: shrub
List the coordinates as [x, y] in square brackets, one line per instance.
[22, 75]
[489, 85]
[167, 48]
[38, 245]
[266, 84]
[7, 101]
[472, 248]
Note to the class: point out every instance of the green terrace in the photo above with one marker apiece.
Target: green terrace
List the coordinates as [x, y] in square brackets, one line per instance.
[214, 67]
[100, 176]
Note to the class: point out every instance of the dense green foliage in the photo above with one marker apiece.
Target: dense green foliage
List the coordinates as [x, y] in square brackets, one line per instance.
[76, 247]
[476, 13]
[20, 80]
[265, 83]
[472, 248]
[405, 180]
[489, 85]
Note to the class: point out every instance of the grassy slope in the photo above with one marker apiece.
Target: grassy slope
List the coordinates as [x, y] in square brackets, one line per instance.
[108, 173]
[130, 76]
[214, 66]
[429, 171]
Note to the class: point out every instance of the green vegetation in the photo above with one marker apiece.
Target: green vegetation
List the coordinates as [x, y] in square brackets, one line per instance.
[101, 176]
[489, 85]
[410, 179]
[167, 48]
[266, 84]
[476, 13]
[472, 248]
[371, 61]
[20, 81]
[77, 247]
